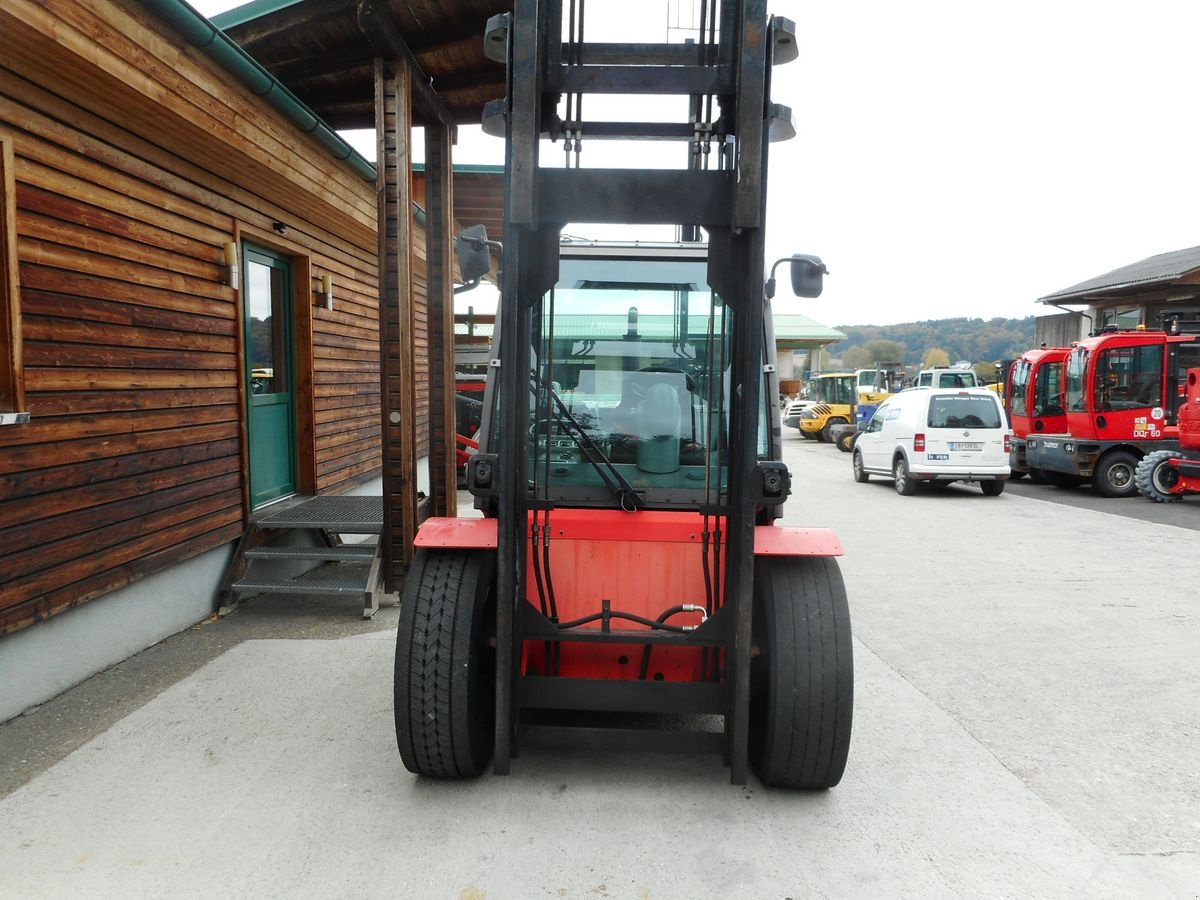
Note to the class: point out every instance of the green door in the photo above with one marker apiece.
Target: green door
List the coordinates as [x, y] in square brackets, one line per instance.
[270, 375]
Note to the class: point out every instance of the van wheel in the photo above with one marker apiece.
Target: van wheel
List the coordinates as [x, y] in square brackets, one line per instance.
[860, 474]
[992, 488]
[905, 483]
[1114, 477]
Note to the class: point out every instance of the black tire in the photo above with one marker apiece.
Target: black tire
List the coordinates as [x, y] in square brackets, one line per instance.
[1061, 479]
[905, 483]
[845, 441]
[1016, 475]
[810, 435]
[827, 431]
[802, 680]
[992, 488]
[1114, 476]
[860, 474]
[445, 664]
[1037, 476]
[1155, 478]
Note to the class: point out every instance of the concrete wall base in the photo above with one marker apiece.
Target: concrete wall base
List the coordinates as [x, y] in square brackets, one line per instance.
[40, 662]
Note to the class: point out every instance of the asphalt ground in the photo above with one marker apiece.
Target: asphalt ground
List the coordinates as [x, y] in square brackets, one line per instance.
[1026, 725]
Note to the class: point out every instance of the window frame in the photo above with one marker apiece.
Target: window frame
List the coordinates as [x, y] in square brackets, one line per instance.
[12, 386]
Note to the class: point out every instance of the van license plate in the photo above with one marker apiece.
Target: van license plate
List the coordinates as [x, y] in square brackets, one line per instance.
[967, 445]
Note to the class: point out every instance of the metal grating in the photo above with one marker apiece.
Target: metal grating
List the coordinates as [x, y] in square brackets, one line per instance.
[341, 515]
[346, 552]
[336, 580]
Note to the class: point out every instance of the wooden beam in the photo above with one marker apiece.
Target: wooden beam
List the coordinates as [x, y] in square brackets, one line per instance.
[12, 389]
[377, 25]
[303, 15]
[439, 272]
[393, 117]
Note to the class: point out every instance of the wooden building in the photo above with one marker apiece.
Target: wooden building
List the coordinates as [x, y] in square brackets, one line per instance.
[1161, 291]
[190, 312]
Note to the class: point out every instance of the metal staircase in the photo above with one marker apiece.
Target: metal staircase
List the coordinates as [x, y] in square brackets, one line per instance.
[297, 549]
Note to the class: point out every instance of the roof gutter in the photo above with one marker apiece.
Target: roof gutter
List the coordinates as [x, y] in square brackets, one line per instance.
[201, 33]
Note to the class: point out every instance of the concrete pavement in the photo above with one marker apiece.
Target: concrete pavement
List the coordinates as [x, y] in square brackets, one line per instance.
[1025, 726]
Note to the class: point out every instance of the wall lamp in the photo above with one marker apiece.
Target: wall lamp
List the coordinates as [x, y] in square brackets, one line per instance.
[230, 274]
[325, 294]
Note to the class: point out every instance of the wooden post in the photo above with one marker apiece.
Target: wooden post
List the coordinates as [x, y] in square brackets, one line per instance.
[439, 280]
[393, 127]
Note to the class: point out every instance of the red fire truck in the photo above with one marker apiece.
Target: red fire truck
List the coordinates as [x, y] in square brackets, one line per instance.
[1123, 393]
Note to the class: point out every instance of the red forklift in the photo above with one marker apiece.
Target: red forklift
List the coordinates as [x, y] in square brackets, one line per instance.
[1123, 393]
[1164, 476]
[1035, 399]
[628, 584]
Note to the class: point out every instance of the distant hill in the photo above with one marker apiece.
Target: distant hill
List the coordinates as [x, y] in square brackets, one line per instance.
[975, 340]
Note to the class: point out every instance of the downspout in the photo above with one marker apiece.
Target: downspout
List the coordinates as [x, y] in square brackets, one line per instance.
[201, 33]
[1075, 312]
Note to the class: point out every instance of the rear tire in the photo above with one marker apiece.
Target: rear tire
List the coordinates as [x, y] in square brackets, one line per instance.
[1037, 476]
[1155, 478]
[1061, 479]
[860, 474]
[1114, 476]
[992, 488]
[802, 681]
[827, 431]
[445, 664]
[905, 483]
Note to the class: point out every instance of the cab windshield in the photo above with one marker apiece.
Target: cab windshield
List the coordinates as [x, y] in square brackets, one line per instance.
[630, 388]
[1020, 386]
[836, 390]
[1077, 379]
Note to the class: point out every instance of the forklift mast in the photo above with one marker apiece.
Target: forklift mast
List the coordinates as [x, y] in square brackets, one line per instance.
[629, 467]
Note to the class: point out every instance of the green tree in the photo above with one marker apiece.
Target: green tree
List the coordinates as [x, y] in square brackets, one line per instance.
[885, 351]
[935, 357]
[857, 358]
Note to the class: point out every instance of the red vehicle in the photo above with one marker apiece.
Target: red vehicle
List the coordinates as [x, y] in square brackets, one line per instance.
[1164, 476]
[1035, 397]
[1123, 392]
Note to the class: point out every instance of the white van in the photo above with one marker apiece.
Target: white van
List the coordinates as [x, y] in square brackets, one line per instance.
[926, 434]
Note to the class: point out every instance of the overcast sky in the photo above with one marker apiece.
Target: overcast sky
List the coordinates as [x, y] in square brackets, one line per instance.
[960, 158]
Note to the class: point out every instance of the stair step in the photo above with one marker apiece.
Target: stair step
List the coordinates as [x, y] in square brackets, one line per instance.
[341, 515]
[335, 580]
[346, 552]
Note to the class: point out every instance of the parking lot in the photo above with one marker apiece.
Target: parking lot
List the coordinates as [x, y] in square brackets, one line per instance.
[1026, 725]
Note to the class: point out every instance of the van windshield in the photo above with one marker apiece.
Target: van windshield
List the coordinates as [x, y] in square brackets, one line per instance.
[957, 411]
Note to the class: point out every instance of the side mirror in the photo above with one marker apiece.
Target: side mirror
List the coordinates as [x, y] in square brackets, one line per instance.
[808, 273]
[474, 259]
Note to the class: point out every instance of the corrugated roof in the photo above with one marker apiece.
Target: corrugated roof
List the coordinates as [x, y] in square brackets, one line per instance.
[1161, 269]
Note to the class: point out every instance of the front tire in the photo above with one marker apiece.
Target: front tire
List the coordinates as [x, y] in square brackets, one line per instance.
[905, 483]
[860, 473]
[1155, 478]
[827, 431]
[1114, 477]
[445, 677]
[802, 680]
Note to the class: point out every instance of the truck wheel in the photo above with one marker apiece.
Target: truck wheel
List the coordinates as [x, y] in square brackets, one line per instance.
[992, 488]
[905, 483]
[845, 441]
[1114, 476]
[1037, 476]
[860, 474]
[445, 664]
[1155, 478]
[827, 431]
[1060, 479]
[802, 680]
